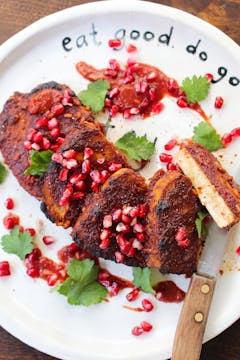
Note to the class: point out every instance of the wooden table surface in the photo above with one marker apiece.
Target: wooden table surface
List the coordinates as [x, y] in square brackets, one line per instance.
[15, 15]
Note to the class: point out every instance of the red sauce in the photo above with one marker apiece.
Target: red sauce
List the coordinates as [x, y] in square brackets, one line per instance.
[140, 88]
[74, 251]
[138, 309]
[168, 291]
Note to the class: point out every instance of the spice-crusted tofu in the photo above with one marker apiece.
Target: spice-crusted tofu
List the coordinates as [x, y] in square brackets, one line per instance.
[112, 224]
[216, 189]
[38, 120]
[172, 244]
[81, 166]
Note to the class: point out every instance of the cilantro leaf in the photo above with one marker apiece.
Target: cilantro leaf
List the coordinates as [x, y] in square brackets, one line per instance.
[18, 243]
[3, 173]
[204, 134]
[142, 279]
[82, 287]
[195, 88]
[95, 95]
[201, 227]
[40, 161]
[136, 147]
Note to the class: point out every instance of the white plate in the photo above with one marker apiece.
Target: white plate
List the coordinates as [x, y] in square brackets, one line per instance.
[27, 309]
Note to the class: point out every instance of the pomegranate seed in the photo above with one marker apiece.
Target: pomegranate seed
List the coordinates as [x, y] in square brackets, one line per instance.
[119, 257]
[54, 147]
[121, 227]
[101, 161]
[134, 111]
[63, 201]
[137, 330]
[58, 158]
[113, 93]
[144, 104]
[182, 102]
[184, 242]
[31, 134]
[69, 154]
[172, 87]
[75, 178]
[152, 76]
[4, 268]
[78, 195]
[107, 103]
[218, 102]
[114, 167]
[133, 295]
[60, 141]
[48, 240]
[141, 237]
[67, 99]
[70, 164]
[27, 145]
[95, 186]
[55, 132]
[42, 122]
[80, 185]
[238, 250]
[95, 175]
[114, 110]
[63, 174]
[117, 215]
[103, 275]
[142, 210]
[138, 228]
[111, 73]
[126, 114]
[143, 87]
[36, 146]
[34, 255]
[104, 176]
[104, 234]
[33, 272]
[146, 326]
[107, 221]
[126, 219]
[130, 48]
[114, 289]
[37, 138]
[137, 244]
[165, 158]
[181, 234]
[133, 212]
[157, 108]
[152, 93]
[133, 68]
[52, 124]
[45, 144]
[114, 43]
[114, 65]
[128, 79]
[226, 139]
[52, 279]
[31, 231]
[209, 77]
[170, 144]
[57, 109]
[9, 203]
[88, 152]
[147, 305]
[137, 87]
[86, 166]
[104, 244]
[171, 166]
[235, 132]
[9, 221]
[67, 192]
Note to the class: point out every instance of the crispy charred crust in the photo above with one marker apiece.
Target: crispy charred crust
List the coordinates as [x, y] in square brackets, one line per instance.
[222, 184]
[122, 188]
[19, 115]
[87, 135]
[172, 204]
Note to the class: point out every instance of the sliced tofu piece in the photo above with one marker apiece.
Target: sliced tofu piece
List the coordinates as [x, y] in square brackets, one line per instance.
[216, 189]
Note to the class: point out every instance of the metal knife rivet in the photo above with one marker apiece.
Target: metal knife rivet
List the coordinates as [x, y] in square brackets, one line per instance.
[205, 289]
[198, 317]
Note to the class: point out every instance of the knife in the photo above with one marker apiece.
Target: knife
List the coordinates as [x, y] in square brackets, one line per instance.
[193, 318]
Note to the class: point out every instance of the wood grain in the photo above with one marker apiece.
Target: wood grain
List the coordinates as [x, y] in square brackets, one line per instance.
[15, 15]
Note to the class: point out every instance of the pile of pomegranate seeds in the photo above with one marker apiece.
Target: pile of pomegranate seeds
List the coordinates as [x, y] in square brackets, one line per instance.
[144, 327]
[127, 226]
[81, 182]
[181, 237]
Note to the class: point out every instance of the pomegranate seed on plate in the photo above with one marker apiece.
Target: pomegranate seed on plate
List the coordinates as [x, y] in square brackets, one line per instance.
[114, 43]
[114, 289]
[146, 326]
[158, 107]
[107, 221]
[9, 221]
[126, 114]
[165, 158]
[33, 272]
[218, 102]
[182, 102]
[104, 244]
[226, 139]
[137, 330]
[52, 124]
[170, 144]
[52, 279]
[9, 203]
[133, 295]
[4, 268]
[31, 231]
[69, 154]
[57, 109]
[209, 76]
[48, 240]
[147, 305]
[130, 48]
[238, 250]
[86, 166]
[114, 65]
[235, 132]
[134, 111]
[171, 166]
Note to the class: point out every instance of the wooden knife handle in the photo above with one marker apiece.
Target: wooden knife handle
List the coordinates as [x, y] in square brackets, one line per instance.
[193, 318]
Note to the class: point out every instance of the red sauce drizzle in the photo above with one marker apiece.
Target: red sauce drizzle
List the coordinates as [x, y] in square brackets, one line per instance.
[168, 291]
[126, 81]
[138, 309]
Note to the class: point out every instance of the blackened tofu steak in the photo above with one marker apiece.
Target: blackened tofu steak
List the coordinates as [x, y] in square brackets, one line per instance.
[216, 189]
[81, 166]
[38, 120]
